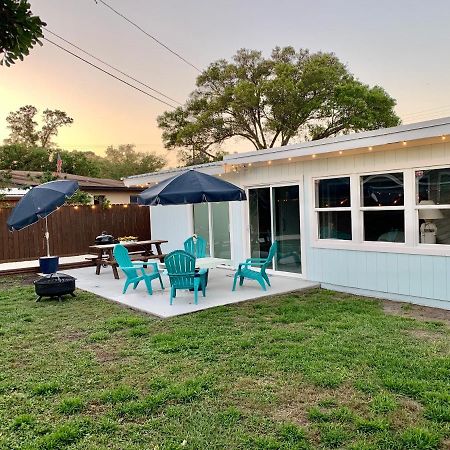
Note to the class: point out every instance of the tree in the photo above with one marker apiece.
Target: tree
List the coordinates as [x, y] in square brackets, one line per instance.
[19, 30]
[124, 160]
[78, 163]
[5, 178]
[23, 126]
[20, 157]
[271, 101]
[80, 198]
[53, 120]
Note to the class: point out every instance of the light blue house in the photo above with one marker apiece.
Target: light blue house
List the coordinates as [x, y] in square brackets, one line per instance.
[367, 213]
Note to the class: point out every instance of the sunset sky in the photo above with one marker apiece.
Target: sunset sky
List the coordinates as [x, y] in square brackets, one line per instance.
[402, 45]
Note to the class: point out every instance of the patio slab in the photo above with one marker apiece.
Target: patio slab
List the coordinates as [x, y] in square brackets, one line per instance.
[218, 292]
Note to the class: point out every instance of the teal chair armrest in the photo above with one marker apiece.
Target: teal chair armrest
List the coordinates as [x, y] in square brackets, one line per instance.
[250, 264]
[256, 260]
[202, 272]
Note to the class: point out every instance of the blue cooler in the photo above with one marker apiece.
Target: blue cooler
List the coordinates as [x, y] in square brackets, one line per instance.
[49, 264]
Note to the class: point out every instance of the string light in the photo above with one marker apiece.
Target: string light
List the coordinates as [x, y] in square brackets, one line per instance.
[370, 149]
[404, 142]
[290, 159]
[249, 164]
[340, 152]
[269, 162]
[125, 206]
[75, 207]
[314, 156]
[443, 138]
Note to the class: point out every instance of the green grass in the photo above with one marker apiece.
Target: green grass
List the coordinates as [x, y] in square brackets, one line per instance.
[316, 371]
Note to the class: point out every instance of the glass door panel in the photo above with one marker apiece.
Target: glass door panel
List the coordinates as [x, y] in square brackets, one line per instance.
[201, 222]
[221, 230]
[286, 225]
[260, 222]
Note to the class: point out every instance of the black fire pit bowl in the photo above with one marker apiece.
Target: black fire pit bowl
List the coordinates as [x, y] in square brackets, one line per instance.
[55, 285]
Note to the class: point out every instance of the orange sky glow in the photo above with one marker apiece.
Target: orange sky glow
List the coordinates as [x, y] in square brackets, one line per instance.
[401, 46]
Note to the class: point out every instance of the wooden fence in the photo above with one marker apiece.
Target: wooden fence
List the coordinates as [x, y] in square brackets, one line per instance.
[72, 230]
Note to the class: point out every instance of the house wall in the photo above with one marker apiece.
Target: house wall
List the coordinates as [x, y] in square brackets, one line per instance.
[171, 223]
[405, 273]
[116, 198]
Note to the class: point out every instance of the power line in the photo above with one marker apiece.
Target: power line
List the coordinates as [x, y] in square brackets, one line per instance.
[108, 73]
[112, 67]
[148, 34]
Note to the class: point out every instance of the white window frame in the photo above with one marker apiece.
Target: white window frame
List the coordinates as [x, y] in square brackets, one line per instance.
[417, 208]
[363, 208]
[211, 229]
[411, 244]
[318, 210]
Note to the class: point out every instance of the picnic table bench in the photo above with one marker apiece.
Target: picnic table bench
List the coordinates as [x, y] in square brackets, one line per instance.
[138, 251]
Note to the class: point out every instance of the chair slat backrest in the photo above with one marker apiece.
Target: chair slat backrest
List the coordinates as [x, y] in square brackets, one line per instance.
[195, 246]
[272, 252]
[123, 260]
[180, 267]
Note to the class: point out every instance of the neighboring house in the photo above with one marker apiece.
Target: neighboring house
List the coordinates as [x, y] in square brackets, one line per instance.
[367, 213]
[100, 188]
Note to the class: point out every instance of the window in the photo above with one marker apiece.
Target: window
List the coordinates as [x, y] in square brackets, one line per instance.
[212, 223]
[382, 203]
[433, 205]
[274, 214]
[332, 205]
[99, 199]
[133, 199]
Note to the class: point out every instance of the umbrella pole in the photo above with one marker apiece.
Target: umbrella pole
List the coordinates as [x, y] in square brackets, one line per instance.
[47, 235]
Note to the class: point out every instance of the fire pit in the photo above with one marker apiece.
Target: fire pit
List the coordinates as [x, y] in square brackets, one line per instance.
[55, 286]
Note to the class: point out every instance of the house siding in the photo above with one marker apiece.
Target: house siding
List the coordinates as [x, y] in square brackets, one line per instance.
[419, 278]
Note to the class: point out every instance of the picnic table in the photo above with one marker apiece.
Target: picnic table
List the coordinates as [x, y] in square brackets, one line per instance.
[139, 251]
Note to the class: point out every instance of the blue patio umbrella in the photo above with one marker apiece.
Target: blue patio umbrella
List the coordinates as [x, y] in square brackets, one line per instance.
[38, 203]
[191, 187]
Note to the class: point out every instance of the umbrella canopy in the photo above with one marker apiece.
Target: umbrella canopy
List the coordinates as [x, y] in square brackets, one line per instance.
[191, 187]
[39, 202]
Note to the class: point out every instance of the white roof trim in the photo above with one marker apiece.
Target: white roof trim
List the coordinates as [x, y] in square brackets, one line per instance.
[382, 136]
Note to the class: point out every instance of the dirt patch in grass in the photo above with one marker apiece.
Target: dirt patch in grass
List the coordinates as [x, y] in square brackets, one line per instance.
[425, 335]
[423, 313]
[105, 355]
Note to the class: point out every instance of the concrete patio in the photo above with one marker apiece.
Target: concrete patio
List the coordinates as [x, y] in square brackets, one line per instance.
[218, 292]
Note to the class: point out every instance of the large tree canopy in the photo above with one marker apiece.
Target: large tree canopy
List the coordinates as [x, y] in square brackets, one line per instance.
[272, 101]
[19, 30]
[23, 126]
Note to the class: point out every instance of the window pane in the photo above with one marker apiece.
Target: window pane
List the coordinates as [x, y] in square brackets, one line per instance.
[260, 222]
[434, 226]
[221, 230]
[382, 190]
[201, 222]
[335, 225]
[433, 185]
[333, 193]
[387, 226]
[286, 210]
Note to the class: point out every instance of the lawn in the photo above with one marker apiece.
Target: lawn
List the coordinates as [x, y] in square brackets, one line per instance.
[314, 371]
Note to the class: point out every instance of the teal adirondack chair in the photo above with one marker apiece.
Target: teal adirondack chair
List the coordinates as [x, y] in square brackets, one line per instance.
[245, 271]
[180, 267]
[196, 247]
[135, 271]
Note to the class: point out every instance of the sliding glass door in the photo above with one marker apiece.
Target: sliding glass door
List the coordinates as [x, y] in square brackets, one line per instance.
[275, 216]
[212, 222]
